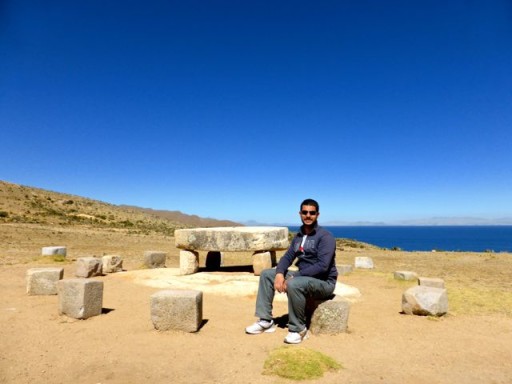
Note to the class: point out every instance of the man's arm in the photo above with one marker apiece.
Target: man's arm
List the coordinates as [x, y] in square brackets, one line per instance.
[280, 283]
[287, 259]
[282, 267]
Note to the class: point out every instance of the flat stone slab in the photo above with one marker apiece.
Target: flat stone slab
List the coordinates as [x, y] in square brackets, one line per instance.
[219, 283]
[232, 239]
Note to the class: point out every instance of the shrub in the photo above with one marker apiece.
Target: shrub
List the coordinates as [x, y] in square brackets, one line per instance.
[298, 363]
[4, 214]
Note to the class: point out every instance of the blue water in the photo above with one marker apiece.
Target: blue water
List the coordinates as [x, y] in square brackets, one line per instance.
[428, 238]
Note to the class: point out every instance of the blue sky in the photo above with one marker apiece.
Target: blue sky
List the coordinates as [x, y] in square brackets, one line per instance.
[382, 111]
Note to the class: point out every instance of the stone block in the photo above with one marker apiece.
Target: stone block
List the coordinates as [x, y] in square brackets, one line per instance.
[55, 250]
[330, 317]
[177, 310]
[425, 301]
[112, 263]
[189, 262]
[232, 239]
[344, 269]
[363, 262]
[88, 267]
[431, 282]
[263, 260]
[154, 259]
[405, 275]
[80, 298]
[43, 281]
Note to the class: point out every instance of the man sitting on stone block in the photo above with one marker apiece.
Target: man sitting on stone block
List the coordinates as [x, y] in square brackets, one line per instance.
[314, 248]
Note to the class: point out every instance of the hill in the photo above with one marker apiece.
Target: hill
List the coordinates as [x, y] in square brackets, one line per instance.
[23, 204]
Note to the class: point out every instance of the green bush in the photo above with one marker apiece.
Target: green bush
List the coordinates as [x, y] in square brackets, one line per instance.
[298, 363]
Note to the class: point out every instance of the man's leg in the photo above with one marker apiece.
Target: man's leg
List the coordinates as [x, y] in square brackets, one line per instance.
[266, 293]
[299, 289]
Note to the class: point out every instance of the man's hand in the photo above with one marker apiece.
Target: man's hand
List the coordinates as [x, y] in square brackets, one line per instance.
[280, 283]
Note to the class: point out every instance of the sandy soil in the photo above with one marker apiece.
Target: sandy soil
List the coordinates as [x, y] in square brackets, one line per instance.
[121, 346]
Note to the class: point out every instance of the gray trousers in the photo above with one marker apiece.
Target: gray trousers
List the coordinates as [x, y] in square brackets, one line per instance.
[299, 289]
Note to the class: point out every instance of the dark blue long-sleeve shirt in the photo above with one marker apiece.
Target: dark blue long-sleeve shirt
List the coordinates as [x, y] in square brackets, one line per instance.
[316, 259]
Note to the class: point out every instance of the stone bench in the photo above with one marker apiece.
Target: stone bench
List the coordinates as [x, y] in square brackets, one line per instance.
[263, 241]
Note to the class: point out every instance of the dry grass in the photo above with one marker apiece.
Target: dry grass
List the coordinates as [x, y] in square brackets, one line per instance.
[477, 283]
[21, 204]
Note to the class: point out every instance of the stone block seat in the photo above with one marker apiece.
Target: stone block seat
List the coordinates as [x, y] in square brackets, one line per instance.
[260, 240]
[43, 281]
[80, 298]
[174, 309]
[329, 316]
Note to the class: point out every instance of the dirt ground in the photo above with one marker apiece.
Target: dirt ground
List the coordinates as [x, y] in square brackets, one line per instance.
[472, 344]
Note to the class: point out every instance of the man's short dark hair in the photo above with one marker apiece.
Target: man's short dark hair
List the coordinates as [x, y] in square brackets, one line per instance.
[310, 202]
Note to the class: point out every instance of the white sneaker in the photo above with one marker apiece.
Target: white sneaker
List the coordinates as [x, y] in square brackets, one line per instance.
[260, 327]
[296, 337]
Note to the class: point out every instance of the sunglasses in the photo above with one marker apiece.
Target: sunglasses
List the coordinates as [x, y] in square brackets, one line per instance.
[312, 213]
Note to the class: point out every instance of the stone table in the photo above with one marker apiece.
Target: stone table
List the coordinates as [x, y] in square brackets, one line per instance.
[263, 241]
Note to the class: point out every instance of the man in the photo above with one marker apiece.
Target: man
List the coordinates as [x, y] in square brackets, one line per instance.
[315, 251]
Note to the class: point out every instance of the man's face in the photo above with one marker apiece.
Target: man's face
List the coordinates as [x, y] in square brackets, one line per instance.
[308, 214]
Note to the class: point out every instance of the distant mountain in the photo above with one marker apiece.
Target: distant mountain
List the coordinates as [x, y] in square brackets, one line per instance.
[456, 221]
[183, 218]
[430, 221]
[353, 223]
[22, 204]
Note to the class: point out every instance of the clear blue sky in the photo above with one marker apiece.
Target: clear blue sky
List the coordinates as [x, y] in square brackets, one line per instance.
[381, 111]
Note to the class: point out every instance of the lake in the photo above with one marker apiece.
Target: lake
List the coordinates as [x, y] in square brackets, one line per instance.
[428, 238]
